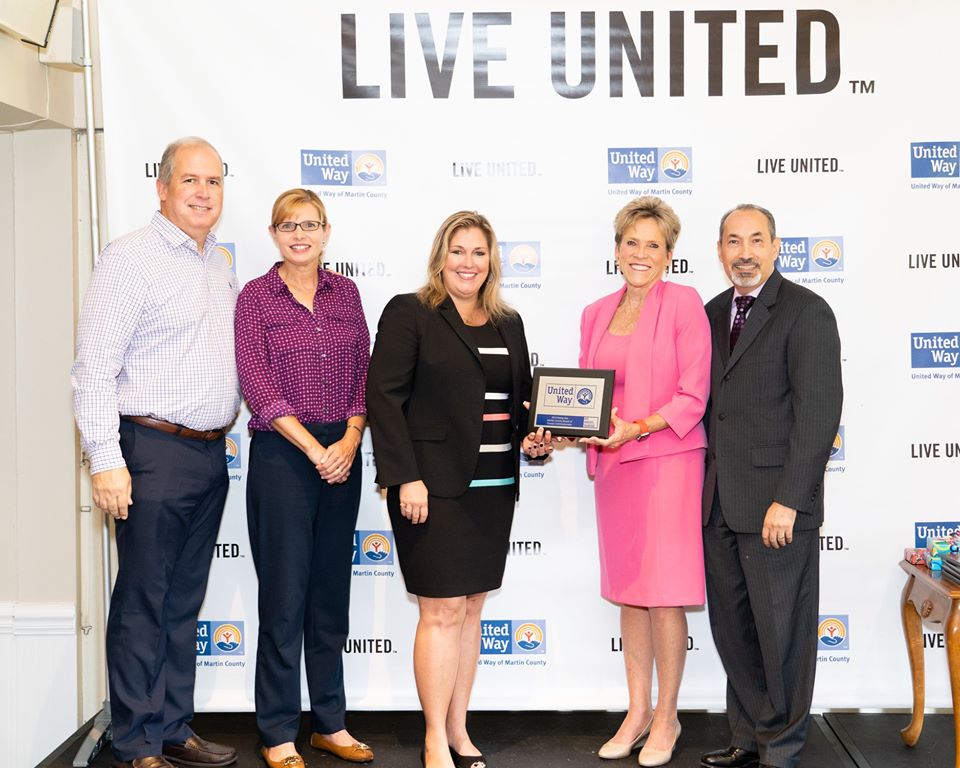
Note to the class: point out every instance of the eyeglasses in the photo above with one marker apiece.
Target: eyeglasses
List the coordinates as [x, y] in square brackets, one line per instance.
[291, 226]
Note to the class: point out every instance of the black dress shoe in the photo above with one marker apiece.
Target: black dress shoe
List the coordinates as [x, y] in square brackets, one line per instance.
[467, 761]
[731, 757]
[199, 753]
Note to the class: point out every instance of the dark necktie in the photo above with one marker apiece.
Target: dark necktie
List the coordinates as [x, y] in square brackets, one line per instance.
[743, 306]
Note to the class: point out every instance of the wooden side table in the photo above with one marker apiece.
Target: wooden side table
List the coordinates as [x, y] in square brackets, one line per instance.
[927, 597]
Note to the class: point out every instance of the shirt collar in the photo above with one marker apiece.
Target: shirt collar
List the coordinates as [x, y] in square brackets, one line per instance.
[278, 287]
[176, 236]
[755, 292]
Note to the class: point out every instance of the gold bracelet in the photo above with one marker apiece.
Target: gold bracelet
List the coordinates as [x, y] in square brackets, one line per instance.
[356, 428]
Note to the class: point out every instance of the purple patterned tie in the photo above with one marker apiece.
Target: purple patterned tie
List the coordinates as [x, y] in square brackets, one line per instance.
[743, 306]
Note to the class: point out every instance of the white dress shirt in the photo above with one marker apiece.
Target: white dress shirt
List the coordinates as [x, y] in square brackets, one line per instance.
[155, 338]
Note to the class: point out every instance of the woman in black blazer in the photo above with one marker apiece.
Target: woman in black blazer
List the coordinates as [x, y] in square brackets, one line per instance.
[446, 388]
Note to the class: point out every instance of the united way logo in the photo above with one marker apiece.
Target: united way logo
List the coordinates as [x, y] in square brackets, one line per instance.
[506, 637]
[529, 637]
[936, 530]
[370, 167]
[228, 252]
[220, 638]
[810, 254]
[585, 395]
[833, 633]
[373, 548]
[934, 159]
[519, 259]
[934, 350]
[838, 449]
[233, 450]
[343, 167]
[675, 165]
[649, 165]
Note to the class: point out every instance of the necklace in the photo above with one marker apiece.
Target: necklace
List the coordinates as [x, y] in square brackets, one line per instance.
[472, 320]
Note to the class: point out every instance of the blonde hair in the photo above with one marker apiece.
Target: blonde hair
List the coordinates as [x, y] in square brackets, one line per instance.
[294, 198]
[434, 292]
[648, 207]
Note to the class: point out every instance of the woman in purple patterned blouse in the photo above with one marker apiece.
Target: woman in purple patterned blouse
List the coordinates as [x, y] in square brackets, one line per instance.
[303, 348]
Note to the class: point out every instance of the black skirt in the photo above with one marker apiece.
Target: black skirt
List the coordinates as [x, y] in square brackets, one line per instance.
[462, 547]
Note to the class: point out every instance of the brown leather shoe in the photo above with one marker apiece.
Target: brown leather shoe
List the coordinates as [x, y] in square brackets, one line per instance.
[143, 762]
[199, 753]
[358, 752]
[290, 761]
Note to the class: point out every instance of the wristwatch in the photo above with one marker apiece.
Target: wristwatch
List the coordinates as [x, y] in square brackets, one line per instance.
[644, 429]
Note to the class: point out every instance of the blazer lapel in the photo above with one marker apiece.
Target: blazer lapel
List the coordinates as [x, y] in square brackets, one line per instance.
[509, 332]
[721, 331]
[758, 317]
[602, 321]
[449, 313]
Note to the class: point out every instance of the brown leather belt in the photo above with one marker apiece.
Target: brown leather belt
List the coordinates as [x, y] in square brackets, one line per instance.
[207, 435]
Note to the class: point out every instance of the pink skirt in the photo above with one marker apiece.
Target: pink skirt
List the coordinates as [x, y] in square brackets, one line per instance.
[650, 529]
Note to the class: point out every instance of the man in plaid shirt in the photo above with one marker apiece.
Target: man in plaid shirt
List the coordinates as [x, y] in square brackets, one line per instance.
[155, 388]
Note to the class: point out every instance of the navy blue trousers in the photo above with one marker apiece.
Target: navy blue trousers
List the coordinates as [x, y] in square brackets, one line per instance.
[301, 535]
[164, 548]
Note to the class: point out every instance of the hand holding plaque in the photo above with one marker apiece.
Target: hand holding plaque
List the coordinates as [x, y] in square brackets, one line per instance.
[572, 402]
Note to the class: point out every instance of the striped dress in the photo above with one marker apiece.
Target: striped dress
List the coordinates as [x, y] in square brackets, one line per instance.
[462, 548]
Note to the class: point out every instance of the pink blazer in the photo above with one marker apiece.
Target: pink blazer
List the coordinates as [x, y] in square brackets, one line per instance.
[668, 368]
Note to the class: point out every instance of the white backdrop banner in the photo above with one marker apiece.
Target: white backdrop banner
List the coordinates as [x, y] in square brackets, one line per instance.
[548, 118]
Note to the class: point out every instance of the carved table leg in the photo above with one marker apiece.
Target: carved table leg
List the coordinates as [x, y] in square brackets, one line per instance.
[914, 638]
[952, 632]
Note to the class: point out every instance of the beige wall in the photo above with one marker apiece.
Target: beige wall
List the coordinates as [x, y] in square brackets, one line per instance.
[29, 90]
[38, 458]
[42, 280]
[8, 448]
[38, 448]
[39, 472]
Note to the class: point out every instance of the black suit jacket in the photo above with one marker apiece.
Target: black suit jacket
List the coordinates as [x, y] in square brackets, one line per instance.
[774, 406]
[425, 395]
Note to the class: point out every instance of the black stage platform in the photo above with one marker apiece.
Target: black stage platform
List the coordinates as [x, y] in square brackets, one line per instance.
[551, 739]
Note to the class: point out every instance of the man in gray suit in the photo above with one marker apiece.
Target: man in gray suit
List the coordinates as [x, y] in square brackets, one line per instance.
[774, 410]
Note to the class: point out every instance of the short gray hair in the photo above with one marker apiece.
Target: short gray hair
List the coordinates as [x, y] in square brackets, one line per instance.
[771, 222]
[165, 172]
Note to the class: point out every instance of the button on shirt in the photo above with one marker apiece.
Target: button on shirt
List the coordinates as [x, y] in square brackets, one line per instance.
[293, 362]
[155, 338]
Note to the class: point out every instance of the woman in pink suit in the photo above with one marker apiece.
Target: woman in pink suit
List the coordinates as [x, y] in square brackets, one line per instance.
[649, 472]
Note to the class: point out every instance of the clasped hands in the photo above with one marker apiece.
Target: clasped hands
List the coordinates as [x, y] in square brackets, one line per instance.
[334, 462]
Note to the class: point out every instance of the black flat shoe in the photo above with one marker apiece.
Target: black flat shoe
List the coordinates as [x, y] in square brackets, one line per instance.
[467, 761]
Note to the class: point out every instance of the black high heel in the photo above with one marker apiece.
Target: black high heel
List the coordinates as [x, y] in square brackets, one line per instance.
[467, 761]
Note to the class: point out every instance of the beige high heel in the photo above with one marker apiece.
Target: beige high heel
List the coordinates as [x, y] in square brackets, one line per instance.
[649, 758]
[614, 750]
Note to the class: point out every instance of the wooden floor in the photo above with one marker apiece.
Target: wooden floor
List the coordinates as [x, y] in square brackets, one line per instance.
[554, 739]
